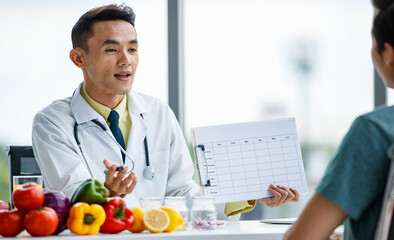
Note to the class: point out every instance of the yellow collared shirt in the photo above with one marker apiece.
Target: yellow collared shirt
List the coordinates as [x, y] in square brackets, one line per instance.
[122, 109]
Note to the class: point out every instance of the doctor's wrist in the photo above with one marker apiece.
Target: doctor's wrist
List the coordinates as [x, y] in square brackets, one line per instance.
[116, 194]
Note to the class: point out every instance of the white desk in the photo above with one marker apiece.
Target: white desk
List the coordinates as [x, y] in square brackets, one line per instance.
[233, 231]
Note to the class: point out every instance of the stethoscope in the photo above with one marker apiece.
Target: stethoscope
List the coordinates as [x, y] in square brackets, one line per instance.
[148, 172]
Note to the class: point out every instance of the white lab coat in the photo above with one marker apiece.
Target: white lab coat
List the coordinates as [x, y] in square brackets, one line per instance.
[62, 164]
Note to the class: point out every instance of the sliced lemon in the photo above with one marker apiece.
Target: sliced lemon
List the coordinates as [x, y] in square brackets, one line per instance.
[156, 220]
[138, 225]
[175, 218]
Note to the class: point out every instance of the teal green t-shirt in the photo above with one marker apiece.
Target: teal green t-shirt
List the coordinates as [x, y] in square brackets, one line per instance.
[355, 179]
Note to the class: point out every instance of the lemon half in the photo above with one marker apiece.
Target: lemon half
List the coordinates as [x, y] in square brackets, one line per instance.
[156, 220]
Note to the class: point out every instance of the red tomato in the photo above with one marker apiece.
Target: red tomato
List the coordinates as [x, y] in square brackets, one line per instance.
[27, 197]
[41, 222]
[11, 223]
[4, 205]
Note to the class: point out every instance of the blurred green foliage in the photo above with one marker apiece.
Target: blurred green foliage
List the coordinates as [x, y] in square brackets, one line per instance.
[4, 176]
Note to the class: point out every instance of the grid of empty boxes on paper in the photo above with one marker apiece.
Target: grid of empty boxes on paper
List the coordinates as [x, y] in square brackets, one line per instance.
[251, 165]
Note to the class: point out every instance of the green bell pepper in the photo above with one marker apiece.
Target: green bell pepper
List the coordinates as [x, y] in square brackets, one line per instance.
[90, 191]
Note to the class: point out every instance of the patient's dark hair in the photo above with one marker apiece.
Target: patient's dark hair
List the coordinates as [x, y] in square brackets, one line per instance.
[382, 4]
[383, 27]
[83, 29]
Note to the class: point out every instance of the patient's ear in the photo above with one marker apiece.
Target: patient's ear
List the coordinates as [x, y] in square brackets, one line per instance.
[77, 56]
[388, 55]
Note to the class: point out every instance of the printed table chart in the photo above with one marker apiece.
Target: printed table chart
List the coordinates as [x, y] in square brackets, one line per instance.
[229, 164]
[244, 167]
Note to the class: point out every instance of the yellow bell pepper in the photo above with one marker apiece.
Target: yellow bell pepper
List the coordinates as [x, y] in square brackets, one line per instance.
[85, 219]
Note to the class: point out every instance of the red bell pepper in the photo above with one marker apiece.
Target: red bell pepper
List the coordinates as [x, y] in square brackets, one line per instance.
[118, 216]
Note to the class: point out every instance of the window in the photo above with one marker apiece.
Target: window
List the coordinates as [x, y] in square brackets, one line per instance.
[255, 60]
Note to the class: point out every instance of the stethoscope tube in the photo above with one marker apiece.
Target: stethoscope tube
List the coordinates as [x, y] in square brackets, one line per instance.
[80, 148]
[148, 172]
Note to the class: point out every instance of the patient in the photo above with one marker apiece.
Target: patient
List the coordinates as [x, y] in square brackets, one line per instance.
[353, 185]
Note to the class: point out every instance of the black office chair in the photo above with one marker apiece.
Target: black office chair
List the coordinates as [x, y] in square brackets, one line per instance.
[385, 227]
[21, 163]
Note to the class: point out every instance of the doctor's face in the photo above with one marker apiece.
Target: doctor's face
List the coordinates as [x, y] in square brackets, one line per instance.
[111, 60]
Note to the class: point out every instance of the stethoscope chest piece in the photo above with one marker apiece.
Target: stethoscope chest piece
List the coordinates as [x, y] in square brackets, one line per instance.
[149, 173]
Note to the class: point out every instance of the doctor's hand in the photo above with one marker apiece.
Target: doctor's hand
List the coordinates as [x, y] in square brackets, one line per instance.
[117, 182]
[281, 196]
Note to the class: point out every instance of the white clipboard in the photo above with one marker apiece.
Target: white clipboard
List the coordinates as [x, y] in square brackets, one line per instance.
[239, 161]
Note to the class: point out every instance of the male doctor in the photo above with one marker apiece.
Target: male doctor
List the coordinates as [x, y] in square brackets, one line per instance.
[81, 136]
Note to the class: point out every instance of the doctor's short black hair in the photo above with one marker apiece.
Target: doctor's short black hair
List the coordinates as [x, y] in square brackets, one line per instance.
[83, 29]
[383, 27]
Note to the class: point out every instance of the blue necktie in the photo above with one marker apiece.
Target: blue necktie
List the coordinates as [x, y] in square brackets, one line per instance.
[113, 119]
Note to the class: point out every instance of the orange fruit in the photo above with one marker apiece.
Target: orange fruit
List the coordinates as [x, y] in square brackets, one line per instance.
[138, 225]
[156, 220]
[175, 218]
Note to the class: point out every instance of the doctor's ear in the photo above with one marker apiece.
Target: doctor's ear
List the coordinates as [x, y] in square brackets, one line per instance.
[76, 57]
